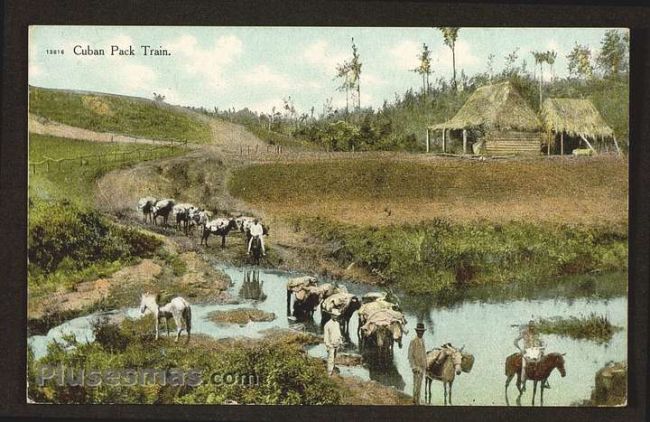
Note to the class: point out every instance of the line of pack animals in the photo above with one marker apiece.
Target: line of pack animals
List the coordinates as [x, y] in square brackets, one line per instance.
[187, 216]
[382, 324]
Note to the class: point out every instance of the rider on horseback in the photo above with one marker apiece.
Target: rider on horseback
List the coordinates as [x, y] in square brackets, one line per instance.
[533, 348]
[256, 230]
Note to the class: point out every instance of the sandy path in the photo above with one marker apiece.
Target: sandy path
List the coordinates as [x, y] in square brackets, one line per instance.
[42, 126]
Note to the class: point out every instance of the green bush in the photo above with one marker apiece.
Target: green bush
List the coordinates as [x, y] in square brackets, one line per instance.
[282, 371]
[436, 255]
[65, 238]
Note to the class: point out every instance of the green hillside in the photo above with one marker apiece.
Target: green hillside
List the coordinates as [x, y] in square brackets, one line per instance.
[112, 113]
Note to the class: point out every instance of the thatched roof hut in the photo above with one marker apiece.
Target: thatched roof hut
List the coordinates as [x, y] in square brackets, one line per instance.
[574, 117]
[502, 116]
[495, 107]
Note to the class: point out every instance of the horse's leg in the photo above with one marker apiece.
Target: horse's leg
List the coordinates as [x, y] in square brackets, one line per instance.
[157, 322]
[427, 389]
[534, 391]
[223, 240]
[167, 325]
[451, 383]
[541, 393]
[179, 325]
[508, 379]
[444, 384]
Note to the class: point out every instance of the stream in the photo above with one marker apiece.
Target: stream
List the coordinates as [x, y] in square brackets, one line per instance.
[483, 326]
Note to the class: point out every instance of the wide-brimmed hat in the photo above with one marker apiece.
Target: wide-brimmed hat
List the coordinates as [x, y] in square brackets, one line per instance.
[420, 327]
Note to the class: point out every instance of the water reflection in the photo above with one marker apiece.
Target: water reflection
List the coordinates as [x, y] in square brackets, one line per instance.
[252, 287]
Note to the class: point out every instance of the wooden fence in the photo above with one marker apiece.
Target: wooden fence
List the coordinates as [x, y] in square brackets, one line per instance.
[144, 154]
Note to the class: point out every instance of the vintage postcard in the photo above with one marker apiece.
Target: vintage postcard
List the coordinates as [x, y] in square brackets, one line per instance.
[328, 215]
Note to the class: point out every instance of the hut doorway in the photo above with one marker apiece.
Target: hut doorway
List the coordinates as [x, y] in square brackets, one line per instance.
[564, 144]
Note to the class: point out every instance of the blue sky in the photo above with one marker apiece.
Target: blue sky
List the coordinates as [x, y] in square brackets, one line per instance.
[256, 67]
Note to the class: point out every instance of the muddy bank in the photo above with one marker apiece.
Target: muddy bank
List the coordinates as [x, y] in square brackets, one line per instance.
[186, 274]
[241, 316]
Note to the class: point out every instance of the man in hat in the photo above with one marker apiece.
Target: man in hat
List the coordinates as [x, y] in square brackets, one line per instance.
[532, 351]
[418, 361]
[256, 230]
[333, 339]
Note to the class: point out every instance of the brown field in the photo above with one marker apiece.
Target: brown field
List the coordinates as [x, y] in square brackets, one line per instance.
[380, 190]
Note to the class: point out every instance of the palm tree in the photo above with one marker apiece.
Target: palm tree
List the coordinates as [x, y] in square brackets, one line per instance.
[551, 55]
[450, 35]
[540, 58]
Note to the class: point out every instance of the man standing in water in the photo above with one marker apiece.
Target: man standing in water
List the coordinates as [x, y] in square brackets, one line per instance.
[418, 361]
[533, 349]
[333, 339]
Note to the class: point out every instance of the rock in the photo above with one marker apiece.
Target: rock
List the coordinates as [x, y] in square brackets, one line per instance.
[611, 385]
[241, 316]
[291, 335]
[347, 359]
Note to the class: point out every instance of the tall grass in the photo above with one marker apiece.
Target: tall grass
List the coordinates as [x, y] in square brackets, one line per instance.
[437, 255]
[594, 327]
[112, 113]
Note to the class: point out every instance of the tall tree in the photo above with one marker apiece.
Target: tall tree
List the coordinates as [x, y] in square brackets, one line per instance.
[490, 66]
[612, 59]
[424, 68]
[551, 56]
[579, 62]
[355, 70]
[540, 58]
[510, 69]
[450, 35]
[343, 72]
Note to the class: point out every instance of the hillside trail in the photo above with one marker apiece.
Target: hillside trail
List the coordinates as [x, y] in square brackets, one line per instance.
[42, 126]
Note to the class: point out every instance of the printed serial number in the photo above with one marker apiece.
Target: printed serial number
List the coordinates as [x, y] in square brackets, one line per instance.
[53, 51]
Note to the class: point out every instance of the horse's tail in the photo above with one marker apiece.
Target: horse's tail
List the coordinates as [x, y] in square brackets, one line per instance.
[187, 315]
[511, 365]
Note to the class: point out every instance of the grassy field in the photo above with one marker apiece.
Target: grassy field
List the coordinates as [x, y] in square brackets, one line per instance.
[74, 182]
[111, 113]
[364, 190]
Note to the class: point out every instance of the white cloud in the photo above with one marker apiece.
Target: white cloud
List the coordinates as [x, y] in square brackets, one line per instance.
[370, 79]
[34, 70]
[133, 76]
[265, 106]
[321, 55]
[207, 63]
[405, 54]
[464, 56]
[263, 75]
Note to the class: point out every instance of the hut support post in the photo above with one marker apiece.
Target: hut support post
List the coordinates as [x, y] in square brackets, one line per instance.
[428, 140]
[587, 142]
[444, 141]
[618, 149]
[548, 144]
[464, 141]
[562, 143]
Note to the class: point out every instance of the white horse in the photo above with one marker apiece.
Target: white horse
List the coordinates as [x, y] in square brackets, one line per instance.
[178, 308]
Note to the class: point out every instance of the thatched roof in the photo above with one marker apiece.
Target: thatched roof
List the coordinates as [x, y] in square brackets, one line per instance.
[575, 117]
[497, 107]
